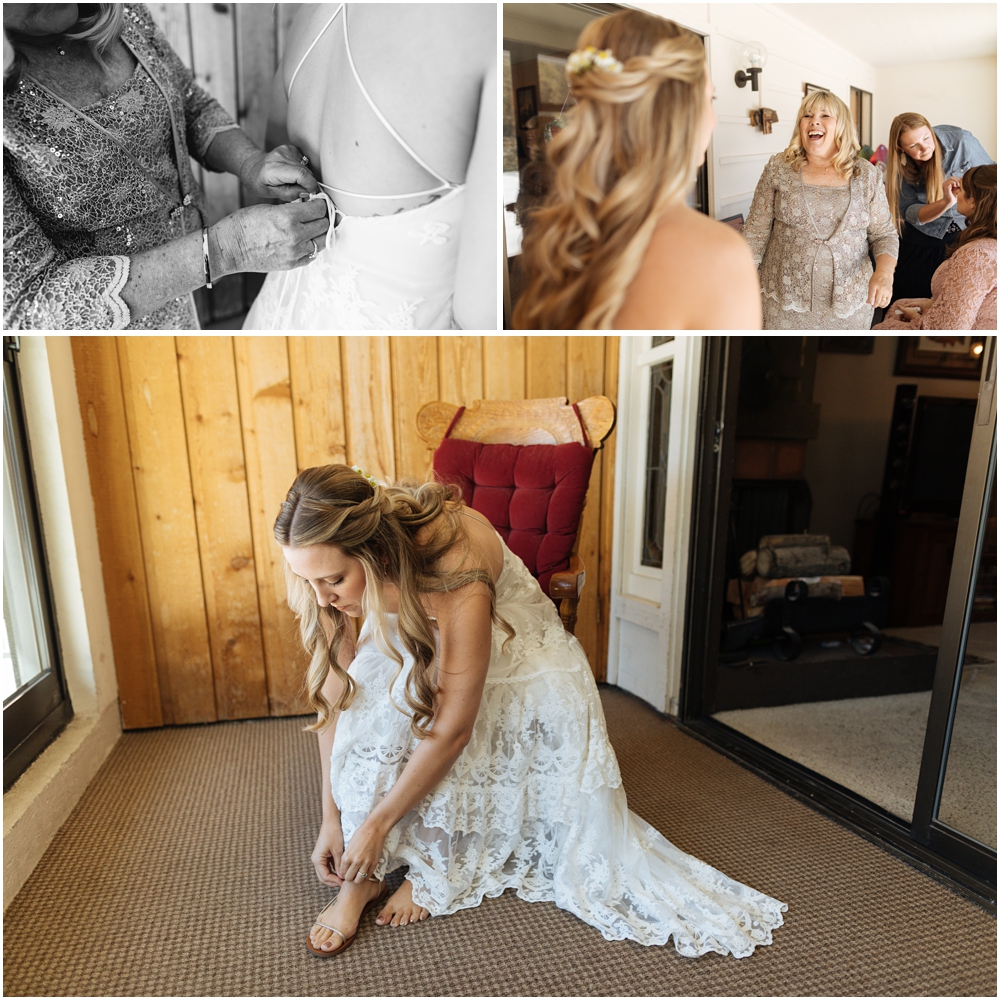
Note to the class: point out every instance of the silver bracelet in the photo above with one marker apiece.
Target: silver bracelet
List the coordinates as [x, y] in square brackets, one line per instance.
[204, 247]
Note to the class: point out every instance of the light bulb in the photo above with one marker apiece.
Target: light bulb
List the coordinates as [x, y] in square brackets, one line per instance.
[754, 54]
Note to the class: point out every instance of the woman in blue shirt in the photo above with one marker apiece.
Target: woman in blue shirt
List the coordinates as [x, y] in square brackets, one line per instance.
[924, 169]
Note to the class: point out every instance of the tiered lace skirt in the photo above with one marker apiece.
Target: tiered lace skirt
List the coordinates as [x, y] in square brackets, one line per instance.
[535, 804]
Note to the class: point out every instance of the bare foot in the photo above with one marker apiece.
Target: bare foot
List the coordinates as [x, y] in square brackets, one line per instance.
[400, 908]
[344, 913]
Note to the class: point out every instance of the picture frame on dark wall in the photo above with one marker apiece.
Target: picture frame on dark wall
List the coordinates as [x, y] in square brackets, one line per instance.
[847, 345]
[940, 357]
[527, 104]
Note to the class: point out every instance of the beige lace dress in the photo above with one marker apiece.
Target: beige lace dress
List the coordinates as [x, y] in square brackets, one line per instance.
[964, 293]
[811, 244]
[83, 189]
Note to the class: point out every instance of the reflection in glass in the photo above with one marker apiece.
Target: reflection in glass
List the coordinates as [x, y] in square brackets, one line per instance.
[660, 384]
[969, 796]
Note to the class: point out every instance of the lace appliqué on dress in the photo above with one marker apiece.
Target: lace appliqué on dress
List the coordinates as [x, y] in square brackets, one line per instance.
[534, 803]
[432, 232]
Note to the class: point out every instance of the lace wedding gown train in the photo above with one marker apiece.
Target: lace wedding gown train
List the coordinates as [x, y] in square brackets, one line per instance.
[535, 802]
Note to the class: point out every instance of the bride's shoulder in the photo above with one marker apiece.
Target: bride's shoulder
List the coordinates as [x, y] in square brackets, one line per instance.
[474, 541]
[697, 273]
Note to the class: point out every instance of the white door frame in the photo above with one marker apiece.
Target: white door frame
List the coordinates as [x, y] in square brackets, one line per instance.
[646, 634]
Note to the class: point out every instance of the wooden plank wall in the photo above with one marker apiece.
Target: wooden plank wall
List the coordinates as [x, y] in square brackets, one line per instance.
[233, 50]
[192, 443]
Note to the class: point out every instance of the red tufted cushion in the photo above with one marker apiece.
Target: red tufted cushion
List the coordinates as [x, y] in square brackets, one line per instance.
[532, 494]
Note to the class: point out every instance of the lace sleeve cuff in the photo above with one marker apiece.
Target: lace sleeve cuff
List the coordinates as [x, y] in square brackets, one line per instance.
[121, 315]
[206, 118]
[80, 294]
[206, 139]
[888, 244]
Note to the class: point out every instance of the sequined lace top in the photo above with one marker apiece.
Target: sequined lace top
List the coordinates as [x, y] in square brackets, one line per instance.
[84, 190]
[785, 241]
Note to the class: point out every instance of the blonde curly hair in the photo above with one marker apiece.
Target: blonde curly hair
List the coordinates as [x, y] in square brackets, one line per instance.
[845, 160]
[376, 524]
[628, 151]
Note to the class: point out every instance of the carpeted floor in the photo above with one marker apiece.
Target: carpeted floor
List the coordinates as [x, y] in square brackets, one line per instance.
[873, 746]
[184, 870]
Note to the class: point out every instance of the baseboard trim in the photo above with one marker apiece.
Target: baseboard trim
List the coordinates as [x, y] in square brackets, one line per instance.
[43, 797]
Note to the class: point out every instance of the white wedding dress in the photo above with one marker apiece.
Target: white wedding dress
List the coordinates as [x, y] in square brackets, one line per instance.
[535, 801]
[381, 272]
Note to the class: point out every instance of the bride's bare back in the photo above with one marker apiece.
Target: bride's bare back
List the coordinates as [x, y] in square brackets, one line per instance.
[697, 274]
[423, 66]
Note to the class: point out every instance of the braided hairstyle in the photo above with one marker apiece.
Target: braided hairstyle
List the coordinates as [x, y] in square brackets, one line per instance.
[335, 505]
[980, 186]
[628, 151]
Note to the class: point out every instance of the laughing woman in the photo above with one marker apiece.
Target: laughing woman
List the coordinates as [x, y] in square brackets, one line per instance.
[817, 213]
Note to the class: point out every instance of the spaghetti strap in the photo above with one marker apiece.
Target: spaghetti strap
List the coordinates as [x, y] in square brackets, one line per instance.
[340, 7]
[382, 118]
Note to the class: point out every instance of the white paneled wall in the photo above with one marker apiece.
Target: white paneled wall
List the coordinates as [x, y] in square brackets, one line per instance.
[796, 55]
[959, 92]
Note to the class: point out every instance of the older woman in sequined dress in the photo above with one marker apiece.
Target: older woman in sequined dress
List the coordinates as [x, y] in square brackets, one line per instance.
[103, 220]
[818, 212]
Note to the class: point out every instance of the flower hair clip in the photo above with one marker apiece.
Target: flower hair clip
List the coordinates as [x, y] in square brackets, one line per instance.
[592, 58]
[364, 475]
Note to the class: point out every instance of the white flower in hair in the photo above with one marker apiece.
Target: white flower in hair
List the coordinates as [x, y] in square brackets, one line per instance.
[592, 58]
[364, 475]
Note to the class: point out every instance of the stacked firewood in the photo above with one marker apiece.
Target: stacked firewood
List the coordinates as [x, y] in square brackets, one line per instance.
[779, 559]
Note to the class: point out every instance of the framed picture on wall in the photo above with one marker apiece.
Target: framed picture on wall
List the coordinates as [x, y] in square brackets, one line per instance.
[527, 104]
[736, 221]
[940, 357]
[810, 88]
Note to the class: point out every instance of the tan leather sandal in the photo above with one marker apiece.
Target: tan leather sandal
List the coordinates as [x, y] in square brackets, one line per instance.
[347, 941]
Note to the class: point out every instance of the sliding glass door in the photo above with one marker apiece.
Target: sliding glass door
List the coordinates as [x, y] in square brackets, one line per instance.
[841, 627]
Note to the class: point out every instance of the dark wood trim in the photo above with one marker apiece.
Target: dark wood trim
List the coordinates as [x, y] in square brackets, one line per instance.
[714, 460]
[847, 809]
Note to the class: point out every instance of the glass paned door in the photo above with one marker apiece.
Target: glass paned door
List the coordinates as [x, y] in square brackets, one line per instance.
[35, 703]
[657, 450]
[969, 793]
[897, 736]
[955, 810]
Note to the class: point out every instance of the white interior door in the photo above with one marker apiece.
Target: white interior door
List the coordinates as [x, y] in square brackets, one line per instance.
[654, 473]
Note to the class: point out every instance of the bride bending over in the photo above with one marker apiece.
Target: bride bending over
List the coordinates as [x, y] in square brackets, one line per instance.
[462, 734]
[394, 108]
[616, 246]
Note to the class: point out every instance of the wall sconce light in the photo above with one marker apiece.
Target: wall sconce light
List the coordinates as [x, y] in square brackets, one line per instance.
[754, 57]
[764, 117]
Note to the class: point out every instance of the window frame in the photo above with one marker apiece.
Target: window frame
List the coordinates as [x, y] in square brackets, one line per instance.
[41, 708]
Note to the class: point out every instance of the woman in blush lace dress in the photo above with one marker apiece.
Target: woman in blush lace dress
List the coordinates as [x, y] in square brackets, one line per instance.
[462, 734]
[964, 287]
[393, 105]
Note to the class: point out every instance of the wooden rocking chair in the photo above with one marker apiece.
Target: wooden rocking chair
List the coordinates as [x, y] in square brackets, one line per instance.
[526, 466]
